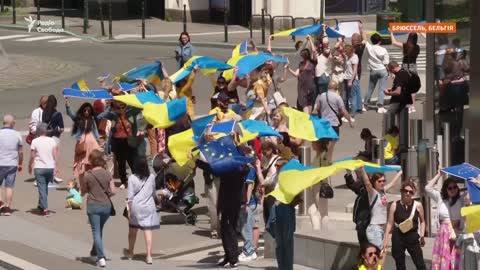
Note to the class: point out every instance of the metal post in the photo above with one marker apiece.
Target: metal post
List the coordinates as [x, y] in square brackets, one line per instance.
[38, 11]
[2, 5]
[143, 19]
[263, 26]
[110, 34]
[431, 171]
[100, 13]
[184, 18]
[85, 16]
[412, 159]
[446, 145]
[251, 26]
[322, 11]
[305, 158]
[63, 13]
[225, 20]
[414, 131]
[14, 11]
[378, 148]
[467, 144]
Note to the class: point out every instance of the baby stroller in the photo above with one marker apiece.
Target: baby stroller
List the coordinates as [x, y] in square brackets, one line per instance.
[177, 194]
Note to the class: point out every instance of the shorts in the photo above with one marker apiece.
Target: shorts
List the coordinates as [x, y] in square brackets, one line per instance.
[8, 173]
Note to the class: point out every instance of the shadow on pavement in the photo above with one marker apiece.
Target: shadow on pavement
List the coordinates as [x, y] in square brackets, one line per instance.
[204, 233]
[87, 260]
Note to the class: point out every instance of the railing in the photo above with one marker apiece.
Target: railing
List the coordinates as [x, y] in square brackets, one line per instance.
[262, 22]
[272, 24]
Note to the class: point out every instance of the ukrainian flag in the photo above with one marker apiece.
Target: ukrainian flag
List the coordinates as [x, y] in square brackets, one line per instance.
[314, 29]
[166, 114]
[152, 73]
[251, 129]
[472, 218]
[206, 64]
[247, 63]
[241, 48]
[80, 85]
[180, 145]
[294, 177]
[375, 168]
[199, 125]
[139, 99]
[308, 127]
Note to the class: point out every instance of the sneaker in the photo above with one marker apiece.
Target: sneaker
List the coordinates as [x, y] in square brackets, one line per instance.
[411, 109]
[352, 119]
[231, 266]
[35, 183]
[246, 258]
[222, 263]
[52, 185]
[6, 211]
[47, 213]
[102, 262]
[381, 110]
[122, 186]
[57, 180]
[364, 109]
[344, 120]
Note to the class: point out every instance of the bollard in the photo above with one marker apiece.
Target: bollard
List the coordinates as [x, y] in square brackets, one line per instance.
[143, 19]
[412, 159]
[414, 132]
[100, 13]
[110, 34]
[184, 18]
[225, 20]
[85, 16]
[2, 5]
[63, 13]
[38, 11]
[14, 12]
[388, 122]
[305, 159]
[251, 27]
[378, 149]
[467, 145]
[431, 171]
[446, 145]
[263, 26]
[322, 11]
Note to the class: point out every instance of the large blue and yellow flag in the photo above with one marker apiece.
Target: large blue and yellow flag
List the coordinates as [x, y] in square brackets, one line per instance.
[139, 99]
[206, 64]
[375, 168]
[152, 73]
[241, 48]
[166, 114]
[80, 85]
[223, 156]
[251, 129]
[86, 94]
[180, 145]
[472, 218]
[294, 177]
[200, 124]
[314, 29]
[308, 127]
[248, 63]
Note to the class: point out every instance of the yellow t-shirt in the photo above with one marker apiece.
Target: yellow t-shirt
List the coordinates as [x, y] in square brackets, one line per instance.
[222, 116]
[388, 151]
[363, 267]
[393, 141]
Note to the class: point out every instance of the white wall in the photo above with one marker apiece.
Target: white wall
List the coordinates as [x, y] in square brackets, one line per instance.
[191, 4]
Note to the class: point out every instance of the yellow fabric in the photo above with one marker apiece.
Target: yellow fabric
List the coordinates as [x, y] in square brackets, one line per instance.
[388, 151]
[363, 267]
[180, 145]
[472, 218]
[299, 124]
[130, 100]
[186, 91]
[157, 115]
[82, 84]
[284, 33]
[222, 116]
[393, 141]
[292, 182]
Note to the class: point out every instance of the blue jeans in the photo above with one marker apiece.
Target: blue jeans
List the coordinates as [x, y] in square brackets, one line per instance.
[375, 235]
[247, 220]
[284, 230]
[322, 84]
[43, 177]
[355, 97]
[98, 214]
[381, 77]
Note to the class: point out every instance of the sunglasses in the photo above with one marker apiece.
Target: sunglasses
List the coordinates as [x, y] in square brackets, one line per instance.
[371, 254]
[408, 191]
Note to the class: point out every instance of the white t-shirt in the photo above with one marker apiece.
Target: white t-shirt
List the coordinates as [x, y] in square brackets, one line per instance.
[444, 209]
[323, 65]
[10, 143]
[349, 67]
[377, 56]
[379, 209]
[44, 148]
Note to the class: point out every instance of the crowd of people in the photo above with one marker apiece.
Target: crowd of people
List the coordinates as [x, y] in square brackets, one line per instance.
[110, 136]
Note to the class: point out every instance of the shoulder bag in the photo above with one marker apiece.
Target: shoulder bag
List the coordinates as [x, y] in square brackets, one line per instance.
[407, 224]
[112, 209]
[132, 141]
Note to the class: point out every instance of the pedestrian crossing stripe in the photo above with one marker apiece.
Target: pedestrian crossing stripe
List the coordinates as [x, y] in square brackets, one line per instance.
[37, 38]
[12, 37]
[47, 38]
[64, 40]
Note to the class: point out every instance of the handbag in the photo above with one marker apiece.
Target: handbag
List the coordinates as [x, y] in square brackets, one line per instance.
[29, 138]
[127, 209]
[112, 209]
[326, 191]
[335, 112]
[81, 147]
[407, 224]
[132, 141]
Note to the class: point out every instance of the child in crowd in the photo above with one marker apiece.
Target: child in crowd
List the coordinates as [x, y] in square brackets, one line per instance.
[74, 199]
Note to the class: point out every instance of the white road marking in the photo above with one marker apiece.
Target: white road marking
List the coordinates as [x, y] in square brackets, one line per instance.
[124, 36]
[64, 40]
[18, 263]
[37, 38]
[12, 37]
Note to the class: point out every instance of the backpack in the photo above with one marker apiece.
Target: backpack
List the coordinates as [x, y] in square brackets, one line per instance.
[362, 211]
[414, 84]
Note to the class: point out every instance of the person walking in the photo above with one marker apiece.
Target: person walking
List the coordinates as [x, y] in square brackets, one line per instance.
[410, 51]
[35, 119]
[86, 134]
[406, 224]
[11, 161]
[44, 159]
[185, 49]
[98, 184]
[306, 88]
[142, 212]
[351, 83]
[446, 254]
[378, 58]
[53, 119]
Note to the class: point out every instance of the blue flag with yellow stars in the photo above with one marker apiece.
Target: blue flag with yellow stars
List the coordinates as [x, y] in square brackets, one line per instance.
[223, 156]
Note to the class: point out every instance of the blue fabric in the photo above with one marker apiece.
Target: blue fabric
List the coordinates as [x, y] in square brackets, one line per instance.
[149, 96]
[323, 128]
[90, 94]
[259, 127]
[43, 177]
[284, 233]
[143, 72]
[199, 125]
[98, 215]
[463, 171]
[223, 127]
[176, 108]
[379, 169]
[250, 62]
[474, 192]
[247, 219]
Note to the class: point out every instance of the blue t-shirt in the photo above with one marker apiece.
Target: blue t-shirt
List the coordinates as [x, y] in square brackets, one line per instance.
[250, 180]
[73, 193]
